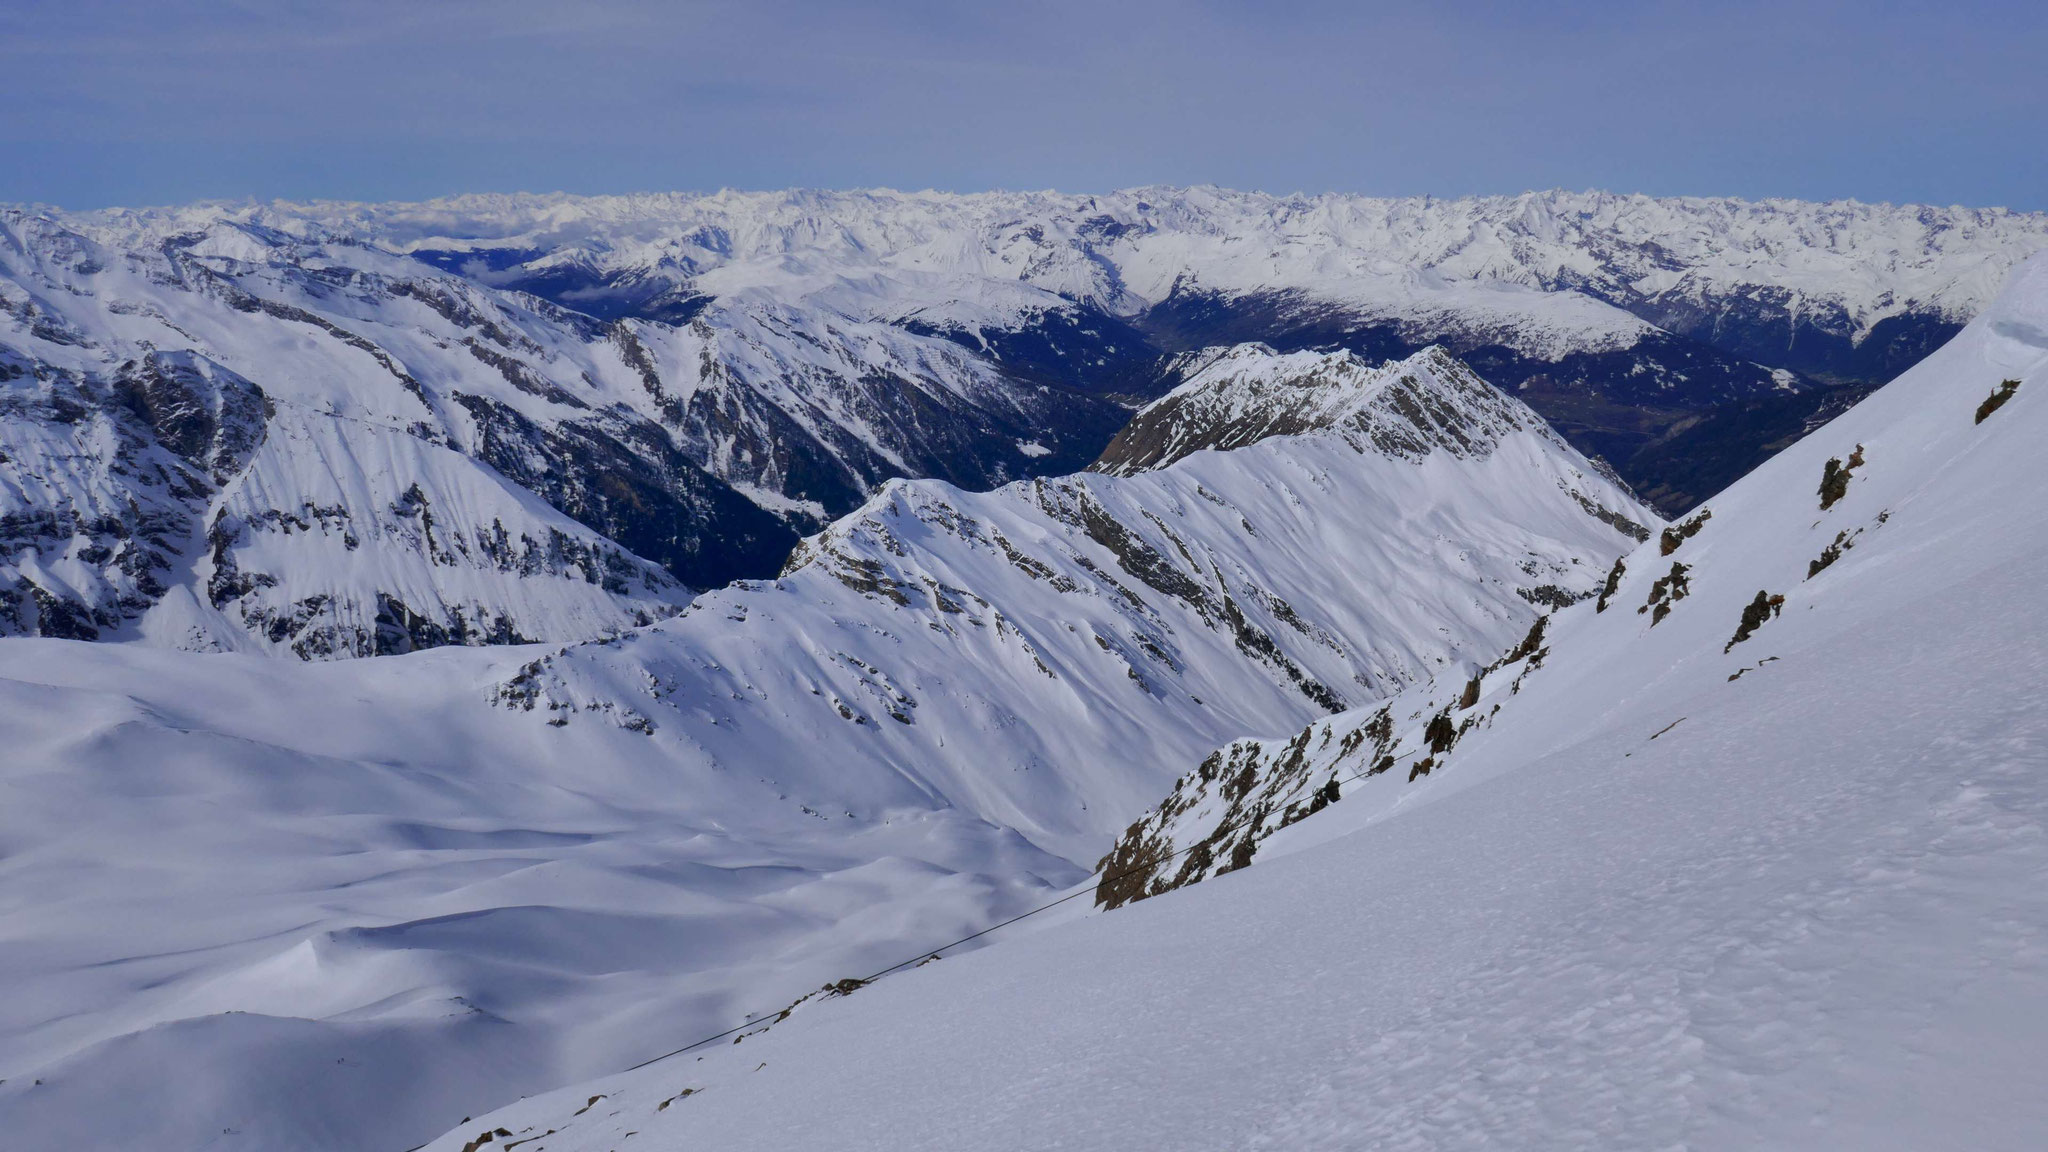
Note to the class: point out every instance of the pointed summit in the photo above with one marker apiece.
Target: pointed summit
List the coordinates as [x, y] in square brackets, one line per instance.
[1244, 394]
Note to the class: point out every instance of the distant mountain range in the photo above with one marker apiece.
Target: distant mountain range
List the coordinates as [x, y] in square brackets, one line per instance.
[334, 430]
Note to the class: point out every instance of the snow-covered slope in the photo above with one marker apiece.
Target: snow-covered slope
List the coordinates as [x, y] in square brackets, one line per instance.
[343, 905]
[1748, 852]
[1719, 580]
[978, 647]
[226, 441]
[179, 502]
[583, 474]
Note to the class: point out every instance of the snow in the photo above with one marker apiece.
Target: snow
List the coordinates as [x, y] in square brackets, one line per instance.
[256, 903]
[309, 463]
[1243, 394]
[315, 884]
[933, 619]
[337, 429]
[810, 375]
[282, 893]
[1788, 894]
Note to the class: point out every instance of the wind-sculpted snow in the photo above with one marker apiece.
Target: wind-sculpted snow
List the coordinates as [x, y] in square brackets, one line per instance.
[1731, 878]
[1746, 837]
[270, 904]
[343, 905]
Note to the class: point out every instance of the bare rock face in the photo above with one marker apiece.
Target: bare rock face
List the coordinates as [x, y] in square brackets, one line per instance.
[106, 480]
[209, 416]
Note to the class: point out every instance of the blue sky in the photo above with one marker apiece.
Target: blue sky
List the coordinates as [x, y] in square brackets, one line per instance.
[122, 102]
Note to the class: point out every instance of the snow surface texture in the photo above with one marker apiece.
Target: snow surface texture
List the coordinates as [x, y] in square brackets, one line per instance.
[1677, 890]
[343, 905]
[602, 402]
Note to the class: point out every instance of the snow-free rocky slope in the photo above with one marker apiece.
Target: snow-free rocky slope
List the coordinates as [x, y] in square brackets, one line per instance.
[257, 903]
[1751, 856]
[332, 429]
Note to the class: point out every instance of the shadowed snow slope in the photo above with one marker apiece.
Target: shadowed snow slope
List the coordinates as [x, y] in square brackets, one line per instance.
[1746, 872]
[341, 905]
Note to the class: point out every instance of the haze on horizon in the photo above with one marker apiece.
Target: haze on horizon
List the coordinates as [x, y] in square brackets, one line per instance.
[120, 102]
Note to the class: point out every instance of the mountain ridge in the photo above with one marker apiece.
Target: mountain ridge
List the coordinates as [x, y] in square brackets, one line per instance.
[691, 384]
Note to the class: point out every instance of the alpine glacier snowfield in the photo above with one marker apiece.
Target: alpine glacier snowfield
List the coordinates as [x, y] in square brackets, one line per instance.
[1733, 873]
[266, 903]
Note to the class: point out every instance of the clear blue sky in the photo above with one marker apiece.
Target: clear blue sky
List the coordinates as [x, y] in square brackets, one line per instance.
[125, 102]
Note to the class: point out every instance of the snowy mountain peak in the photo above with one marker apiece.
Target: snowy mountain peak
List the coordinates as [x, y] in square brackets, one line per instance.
[1121, 250]
[1241, 395]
